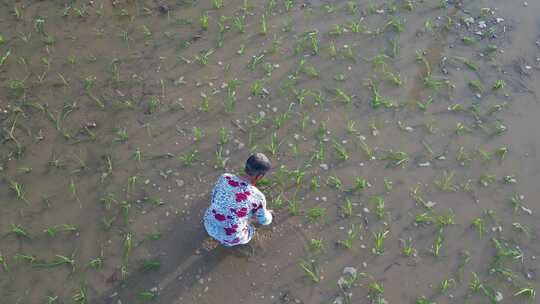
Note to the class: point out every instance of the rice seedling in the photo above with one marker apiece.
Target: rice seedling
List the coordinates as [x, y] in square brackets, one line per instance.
[18, 231]
[388, 185]
[352, 234]
[479, 225]
[282, 118]
[53, 231]
[81, 296]
[476, 86]
[297, 176]
[347, 208]
[4, 57]
[487, 179]
[423, 218]
[437, 244]
[289, 4]
[203, 58]
[395, 25]
[379, 206]
[444, 181]
[357, 27]
[393, 78]
[61, 260]
[490, 49]
[315, 183]
[435, 83]
[504, 273]
[332, 50]
[424, 300]
[468, 40]
[153, 201]
[396, 159]
[366, 149]
[360, 183]
[528, 292]
[467, 62]
[475, 285]
[256, 60]
[96, 263]
[220, 160]
[127, 245]
[316, 213]
[31, 259]
[416, 194]
[463, 157]
[408, 5]
[378, 238]
[520, 228]
[465, 259]
[153, 235]
[379, 62]
[147, 295]
[305, 68]
[197, 133]
[52, 299]
[456, 108]
[263, 26]
[499, 85]
[239, 23]
[257, 89]
[376, 291]
[407, 248]
[3, 262]
[274, 145]
[322, 129]
[504, 251]
[217, 4]
[319, 154]
[204, 21]
[499, 128]
[106, 223]
[18, 189]
[341, 151]
[334, 181]
[205, 103]
[501, 152]
[148, 265]
[188, 158]
[377, 100]
[337, 30]
[124, 272]
[518, 203]
[293, 207]
[272, 4]
[121, 135]
[311, 270]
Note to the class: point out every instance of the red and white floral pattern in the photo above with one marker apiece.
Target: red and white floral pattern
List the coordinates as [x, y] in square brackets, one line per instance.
[234, 202]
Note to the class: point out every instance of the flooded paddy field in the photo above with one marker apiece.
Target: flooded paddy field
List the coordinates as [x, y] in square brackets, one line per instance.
[404, 137]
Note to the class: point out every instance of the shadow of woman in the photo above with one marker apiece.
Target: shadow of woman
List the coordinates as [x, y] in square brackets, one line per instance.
[183, 263]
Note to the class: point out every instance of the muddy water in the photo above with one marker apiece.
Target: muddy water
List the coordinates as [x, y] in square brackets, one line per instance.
[102, 105]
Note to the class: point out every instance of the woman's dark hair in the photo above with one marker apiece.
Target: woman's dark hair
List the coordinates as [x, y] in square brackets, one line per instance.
[257, 164]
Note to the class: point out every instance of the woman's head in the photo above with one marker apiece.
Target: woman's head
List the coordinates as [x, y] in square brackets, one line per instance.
[257, 165]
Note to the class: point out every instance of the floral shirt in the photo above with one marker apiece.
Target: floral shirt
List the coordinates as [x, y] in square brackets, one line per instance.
[234, 202]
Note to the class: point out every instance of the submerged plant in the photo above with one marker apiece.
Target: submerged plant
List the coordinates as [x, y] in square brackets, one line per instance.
[311, 270]
[341, 150]
[316, 213]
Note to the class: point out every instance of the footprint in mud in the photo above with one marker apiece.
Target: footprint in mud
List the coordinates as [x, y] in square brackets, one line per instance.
[257, 244]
